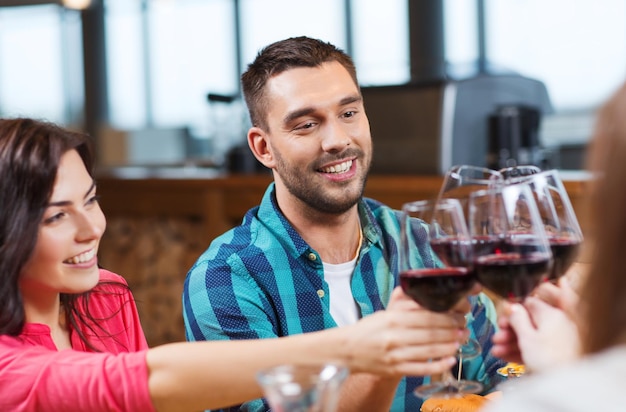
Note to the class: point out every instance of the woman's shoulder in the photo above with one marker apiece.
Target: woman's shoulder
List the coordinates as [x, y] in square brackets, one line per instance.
[110, 284]
[110, 277]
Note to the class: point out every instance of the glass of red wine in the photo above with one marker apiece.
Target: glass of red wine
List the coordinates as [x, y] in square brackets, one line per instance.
[512, 253]
[558, 216]
[441, 286]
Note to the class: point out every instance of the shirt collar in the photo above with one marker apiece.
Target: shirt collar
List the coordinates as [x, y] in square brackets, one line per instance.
[275, 221]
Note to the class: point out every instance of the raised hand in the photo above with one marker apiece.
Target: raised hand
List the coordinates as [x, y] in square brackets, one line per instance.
[404, 339]
[544, 335]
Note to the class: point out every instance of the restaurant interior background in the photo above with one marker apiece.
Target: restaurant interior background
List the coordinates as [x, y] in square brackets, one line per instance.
[155, 82]
[136, 74]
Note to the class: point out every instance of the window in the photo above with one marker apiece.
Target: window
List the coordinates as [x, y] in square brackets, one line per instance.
[41, 71]
[165, 57]
[266, 21]
[125, 64]
[381, 59]
[577, 47]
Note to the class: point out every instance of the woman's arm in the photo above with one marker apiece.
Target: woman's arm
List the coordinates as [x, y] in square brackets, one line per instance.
[389, 344]
[213, 374]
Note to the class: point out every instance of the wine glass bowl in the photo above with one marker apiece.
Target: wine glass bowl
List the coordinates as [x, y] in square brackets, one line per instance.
[460, 180]
[436, 288]
[512, 253]
[558, 216]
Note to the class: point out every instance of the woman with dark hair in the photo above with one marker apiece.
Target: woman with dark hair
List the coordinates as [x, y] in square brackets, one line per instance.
[575, 341]
[70, 337]
[30, 219]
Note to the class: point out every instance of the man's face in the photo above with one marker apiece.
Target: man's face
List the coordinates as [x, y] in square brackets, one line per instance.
[319, 136]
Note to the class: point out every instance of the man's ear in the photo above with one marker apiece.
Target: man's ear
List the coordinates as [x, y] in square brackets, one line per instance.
[257, 141]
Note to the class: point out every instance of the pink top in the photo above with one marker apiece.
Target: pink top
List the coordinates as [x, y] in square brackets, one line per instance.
[35, 376]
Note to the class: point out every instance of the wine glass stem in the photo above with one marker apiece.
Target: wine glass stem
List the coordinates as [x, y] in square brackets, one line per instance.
[458, 376]
[447, 378]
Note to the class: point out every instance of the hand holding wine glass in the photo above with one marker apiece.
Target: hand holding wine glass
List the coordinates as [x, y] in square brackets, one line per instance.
[440, 288]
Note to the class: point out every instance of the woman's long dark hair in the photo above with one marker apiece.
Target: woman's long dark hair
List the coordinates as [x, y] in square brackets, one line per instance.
[30, 152]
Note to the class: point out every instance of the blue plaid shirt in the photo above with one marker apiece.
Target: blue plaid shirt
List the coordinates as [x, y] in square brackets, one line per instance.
[262, 280]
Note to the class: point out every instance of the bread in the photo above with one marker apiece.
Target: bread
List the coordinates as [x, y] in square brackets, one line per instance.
[466, 403]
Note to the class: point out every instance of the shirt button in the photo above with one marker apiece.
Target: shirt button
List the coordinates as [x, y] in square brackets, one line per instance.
[312, 256]
[320, 293]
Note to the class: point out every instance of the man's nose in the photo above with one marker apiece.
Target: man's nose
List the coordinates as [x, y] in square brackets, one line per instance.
[336, 137]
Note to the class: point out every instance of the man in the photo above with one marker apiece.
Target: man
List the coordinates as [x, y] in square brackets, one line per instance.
[314, 255]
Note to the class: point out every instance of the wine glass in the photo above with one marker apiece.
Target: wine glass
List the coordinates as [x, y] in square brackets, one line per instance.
[559, 219]
[303, 388]
[439, 288]
[512, 253]
[461, 180]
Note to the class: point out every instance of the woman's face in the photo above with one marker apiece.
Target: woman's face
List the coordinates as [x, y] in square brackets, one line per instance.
[65, 256]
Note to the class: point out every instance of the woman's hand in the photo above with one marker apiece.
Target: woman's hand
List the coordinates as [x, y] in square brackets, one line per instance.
[546, 336]
[564, 297]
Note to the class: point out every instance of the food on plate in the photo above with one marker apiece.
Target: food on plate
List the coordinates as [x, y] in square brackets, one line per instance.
[465, 403]
[512, 370]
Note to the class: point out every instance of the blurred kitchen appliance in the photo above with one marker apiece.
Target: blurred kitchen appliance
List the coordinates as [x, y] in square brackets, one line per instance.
[513, 137]
[230, 126]
[427, 128]
[226, 121]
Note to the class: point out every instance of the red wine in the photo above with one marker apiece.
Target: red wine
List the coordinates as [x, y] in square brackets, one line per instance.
[453, 252]
[437, 289]
[487, 245]
[512, 275]
[564, 253]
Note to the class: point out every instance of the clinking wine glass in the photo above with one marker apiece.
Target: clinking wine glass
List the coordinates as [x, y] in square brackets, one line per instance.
[512, 253]
[461, 180]
[558, 216]
[439, 288]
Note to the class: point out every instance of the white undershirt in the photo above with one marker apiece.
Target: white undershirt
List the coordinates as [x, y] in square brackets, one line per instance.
[343, 308]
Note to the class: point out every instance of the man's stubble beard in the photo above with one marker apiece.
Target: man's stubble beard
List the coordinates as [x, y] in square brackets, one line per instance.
[312, 194]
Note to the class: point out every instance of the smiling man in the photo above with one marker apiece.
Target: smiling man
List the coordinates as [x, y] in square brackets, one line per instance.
[314, 254]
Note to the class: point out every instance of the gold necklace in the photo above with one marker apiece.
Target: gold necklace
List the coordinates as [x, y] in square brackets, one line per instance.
[358, 248]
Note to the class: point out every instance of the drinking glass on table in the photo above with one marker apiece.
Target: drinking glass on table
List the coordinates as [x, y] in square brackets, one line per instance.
[559, 219]
[303, 388]
[440, 288]
[512, 253]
